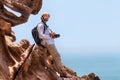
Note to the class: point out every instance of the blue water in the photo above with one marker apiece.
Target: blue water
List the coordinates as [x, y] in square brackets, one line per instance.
[107, 67]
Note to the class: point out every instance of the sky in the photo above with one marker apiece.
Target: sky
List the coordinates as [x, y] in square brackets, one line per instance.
[85, 26]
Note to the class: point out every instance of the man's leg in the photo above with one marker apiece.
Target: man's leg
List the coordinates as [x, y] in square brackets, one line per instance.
[60, 68]
[56, 57]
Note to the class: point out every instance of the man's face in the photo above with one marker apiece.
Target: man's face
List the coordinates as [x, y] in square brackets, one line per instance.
[46, 17]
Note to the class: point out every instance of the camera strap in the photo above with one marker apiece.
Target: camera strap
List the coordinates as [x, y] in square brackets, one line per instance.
[46, 26]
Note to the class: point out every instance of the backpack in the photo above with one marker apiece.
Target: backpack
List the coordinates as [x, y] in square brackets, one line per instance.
[36, 36]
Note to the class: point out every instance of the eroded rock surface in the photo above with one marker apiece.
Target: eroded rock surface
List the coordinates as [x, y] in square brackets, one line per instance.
[25, 61]
[23, 7]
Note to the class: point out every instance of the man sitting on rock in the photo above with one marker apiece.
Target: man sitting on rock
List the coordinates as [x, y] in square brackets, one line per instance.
[48, 37]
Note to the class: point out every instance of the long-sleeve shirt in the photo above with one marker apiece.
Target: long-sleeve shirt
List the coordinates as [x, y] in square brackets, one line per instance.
[45, 36]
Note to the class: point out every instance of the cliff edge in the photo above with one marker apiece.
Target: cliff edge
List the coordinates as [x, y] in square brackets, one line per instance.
[23, 61]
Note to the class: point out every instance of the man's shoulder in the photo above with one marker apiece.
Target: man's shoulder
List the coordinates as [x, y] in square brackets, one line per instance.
[40, 24]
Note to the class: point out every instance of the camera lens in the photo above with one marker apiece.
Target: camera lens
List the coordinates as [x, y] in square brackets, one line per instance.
[57, 35]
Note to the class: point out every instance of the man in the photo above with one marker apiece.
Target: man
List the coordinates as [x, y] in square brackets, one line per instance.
[48, 40]
[48, 37]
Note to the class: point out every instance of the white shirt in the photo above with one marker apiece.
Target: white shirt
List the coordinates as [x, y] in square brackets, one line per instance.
[45, 36]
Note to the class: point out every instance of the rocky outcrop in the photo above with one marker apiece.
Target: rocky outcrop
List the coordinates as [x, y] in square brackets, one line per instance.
[24, 61]
[23, 7]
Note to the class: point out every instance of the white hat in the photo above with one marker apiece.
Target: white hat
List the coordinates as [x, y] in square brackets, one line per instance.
[45, 13]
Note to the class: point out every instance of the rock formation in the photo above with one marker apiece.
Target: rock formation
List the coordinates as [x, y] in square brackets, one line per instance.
[25, 61]
[24, 7]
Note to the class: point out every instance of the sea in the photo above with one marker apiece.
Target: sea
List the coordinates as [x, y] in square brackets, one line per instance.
[106, 66]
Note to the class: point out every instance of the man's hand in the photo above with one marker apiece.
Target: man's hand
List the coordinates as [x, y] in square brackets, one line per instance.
[52, 35]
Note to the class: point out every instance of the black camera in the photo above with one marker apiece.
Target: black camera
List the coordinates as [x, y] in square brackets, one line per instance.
[57, 35]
